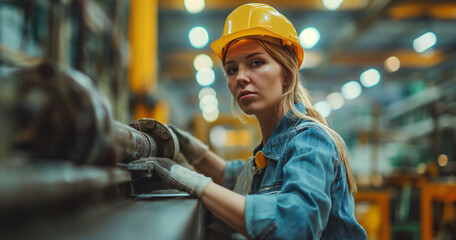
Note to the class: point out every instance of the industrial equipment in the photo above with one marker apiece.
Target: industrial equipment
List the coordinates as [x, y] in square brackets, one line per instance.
[62, 152]
[59, 114]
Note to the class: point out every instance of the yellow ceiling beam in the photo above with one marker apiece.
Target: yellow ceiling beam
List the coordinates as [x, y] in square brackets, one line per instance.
[409, 59]
[443, 11]
[292, 4]
[407, 10]
[179, 65]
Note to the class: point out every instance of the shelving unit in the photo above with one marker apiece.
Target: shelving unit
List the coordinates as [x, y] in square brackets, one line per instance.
[425, 124]
[76, 34]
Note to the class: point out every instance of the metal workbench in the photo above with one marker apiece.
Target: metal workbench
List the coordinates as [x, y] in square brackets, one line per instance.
[60, 200]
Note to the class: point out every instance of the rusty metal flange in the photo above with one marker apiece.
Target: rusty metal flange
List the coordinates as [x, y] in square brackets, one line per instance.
[168, 144]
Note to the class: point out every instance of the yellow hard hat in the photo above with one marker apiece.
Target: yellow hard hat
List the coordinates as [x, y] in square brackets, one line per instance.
[257, 19]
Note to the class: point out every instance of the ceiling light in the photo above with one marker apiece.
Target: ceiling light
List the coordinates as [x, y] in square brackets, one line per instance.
[205, 77]
[332, 4]
[198, 37]
[442, 160]
[424, 42]
[202, 61]
[194, 6]
[207, 101]
[392, 64]
[370, 77]
[218, 136]
[206, 91]
[351, 90]
[421, 168]
[323, 108]
[309, 37]
[211, 116]
[210, 108]
[335, 100]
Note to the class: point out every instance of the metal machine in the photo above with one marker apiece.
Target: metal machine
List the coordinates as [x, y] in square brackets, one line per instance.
[59, 114]
[61, 151]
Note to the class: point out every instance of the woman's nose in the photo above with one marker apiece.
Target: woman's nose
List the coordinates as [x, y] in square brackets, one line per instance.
[242, 77]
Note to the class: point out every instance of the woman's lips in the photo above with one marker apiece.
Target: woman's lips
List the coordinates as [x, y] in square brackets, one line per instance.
[246, 95]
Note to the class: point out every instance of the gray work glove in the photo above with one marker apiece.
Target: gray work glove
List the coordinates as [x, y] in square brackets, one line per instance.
[192, 148]
[175, 176]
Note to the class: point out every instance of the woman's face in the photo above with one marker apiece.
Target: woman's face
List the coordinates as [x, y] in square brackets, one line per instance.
[255, 79]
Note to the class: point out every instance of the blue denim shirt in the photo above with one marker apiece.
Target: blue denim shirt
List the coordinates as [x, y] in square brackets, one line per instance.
[302, 193]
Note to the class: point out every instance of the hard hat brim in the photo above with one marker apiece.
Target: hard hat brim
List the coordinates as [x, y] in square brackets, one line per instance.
[218, 45]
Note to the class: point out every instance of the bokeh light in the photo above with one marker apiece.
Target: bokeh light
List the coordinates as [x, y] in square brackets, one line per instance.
[351, 90]
[198, 37]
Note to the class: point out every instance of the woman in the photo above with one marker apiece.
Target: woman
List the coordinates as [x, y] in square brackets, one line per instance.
[299, 184]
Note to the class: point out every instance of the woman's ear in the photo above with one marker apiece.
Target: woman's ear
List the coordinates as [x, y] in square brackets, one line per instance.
[286, 82]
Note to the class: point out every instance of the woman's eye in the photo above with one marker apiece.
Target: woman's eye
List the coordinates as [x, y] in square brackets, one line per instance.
[256, 63]
[231, 71]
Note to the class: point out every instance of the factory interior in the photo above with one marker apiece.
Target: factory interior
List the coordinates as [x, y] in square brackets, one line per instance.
[116, 73]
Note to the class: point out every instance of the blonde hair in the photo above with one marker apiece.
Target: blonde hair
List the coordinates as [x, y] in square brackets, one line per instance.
[296, 93]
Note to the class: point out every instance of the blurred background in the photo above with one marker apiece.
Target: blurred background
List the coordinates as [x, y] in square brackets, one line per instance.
[382, 72]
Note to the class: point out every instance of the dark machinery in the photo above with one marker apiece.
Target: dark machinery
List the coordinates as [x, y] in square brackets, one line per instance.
[58, 128]
[63, 158]
[59, 114]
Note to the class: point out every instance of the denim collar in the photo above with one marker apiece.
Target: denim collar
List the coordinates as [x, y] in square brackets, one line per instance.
[274, 146]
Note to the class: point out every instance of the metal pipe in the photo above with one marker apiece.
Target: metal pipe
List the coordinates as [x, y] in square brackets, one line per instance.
[134, 144]
[61, 115]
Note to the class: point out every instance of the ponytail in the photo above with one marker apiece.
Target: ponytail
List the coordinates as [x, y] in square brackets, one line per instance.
[315, 116]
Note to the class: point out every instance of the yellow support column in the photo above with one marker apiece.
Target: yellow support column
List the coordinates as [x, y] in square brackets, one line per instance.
[143, 34]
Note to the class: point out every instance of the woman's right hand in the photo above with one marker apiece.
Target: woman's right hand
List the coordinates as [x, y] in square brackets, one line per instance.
[178, 177]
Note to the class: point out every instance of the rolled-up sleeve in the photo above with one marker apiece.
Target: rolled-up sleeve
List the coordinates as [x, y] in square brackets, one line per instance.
[232, 170]
[301, 209]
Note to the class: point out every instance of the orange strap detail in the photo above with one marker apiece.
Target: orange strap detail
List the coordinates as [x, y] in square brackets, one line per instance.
[260, 160]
